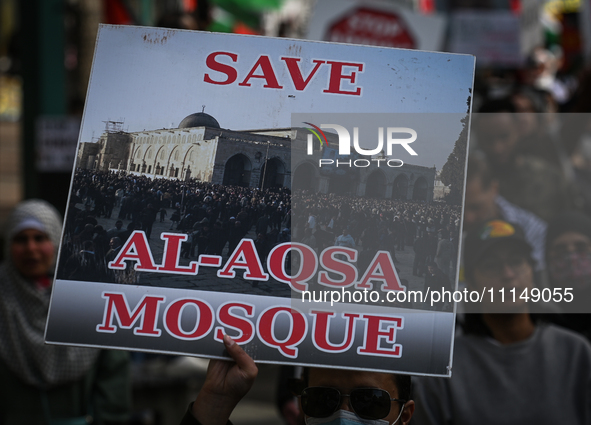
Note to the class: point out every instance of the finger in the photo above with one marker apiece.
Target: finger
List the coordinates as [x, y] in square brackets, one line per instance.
[242, 359]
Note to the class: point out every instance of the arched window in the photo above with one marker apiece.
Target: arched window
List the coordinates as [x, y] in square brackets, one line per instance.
[420, 190]
[237, 171]
[176, 155]
[272, 174]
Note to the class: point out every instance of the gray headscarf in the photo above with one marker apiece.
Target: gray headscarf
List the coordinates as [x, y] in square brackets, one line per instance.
[24, 307]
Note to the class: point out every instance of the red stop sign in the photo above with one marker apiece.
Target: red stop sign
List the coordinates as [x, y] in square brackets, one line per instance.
[372, 27]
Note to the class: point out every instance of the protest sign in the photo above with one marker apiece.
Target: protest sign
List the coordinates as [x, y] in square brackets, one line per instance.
[56, 141]
[206, 165]
[500, 38]
[375, 23]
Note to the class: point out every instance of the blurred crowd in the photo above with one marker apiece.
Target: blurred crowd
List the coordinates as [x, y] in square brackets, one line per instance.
[526, 225]
[526, 228]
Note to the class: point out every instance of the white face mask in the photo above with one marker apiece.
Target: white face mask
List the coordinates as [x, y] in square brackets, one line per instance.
[344, 417]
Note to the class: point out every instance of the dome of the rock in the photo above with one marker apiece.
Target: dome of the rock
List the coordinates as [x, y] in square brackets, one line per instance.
[199, 119]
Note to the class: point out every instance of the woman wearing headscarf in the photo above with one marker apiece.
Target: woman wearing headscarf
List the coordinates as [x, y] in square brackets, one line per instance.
[39, 383]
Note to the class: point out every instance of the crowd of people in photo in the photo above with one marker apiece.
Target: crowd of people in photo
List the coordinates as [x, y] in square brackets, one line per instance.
[214, 217]
[429, 230]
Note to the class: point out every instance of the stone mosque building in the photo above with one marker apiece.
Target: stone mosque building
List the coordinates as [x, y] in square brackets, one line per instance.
[200, 149]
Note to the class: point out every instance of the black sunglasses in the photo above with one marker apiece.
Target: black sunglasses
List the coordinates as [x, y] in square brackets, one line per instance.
[367, 403]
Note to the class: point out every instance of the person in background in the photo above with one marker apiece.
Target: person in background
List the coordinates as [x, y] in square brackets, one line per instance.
[445, 253]
[115, 245]
[526, 181]
[86, 265]
[329, 396]
[431, 245]
[115, 231]
[39, 383]
[436, 279]
[163, 214]
[420, 259]
[483, 202]
[568, 256]
[345, 239]
[508, 368]
[148, 217]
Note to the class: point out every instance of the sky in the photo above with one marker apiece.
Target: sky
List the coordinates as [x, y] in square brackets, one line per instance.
[152, 78]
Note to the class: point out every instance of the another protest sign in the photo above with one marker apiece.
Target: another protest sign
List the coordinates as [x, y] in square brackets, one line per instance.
[376, 23]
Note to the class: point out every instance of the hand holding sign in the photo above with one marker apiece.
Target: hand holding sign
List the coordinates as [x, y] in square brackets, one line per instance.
[225, 385]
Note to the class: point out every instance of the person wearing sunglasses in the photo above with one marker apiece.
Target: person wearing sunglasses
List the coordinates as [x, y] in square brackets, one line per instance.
[329, 396]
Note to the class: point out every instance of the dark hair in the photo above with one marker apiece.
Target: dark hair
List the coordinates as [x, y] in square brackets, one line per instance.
[403, 383]
[498, 105]
[473, 323]
[471, 265]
